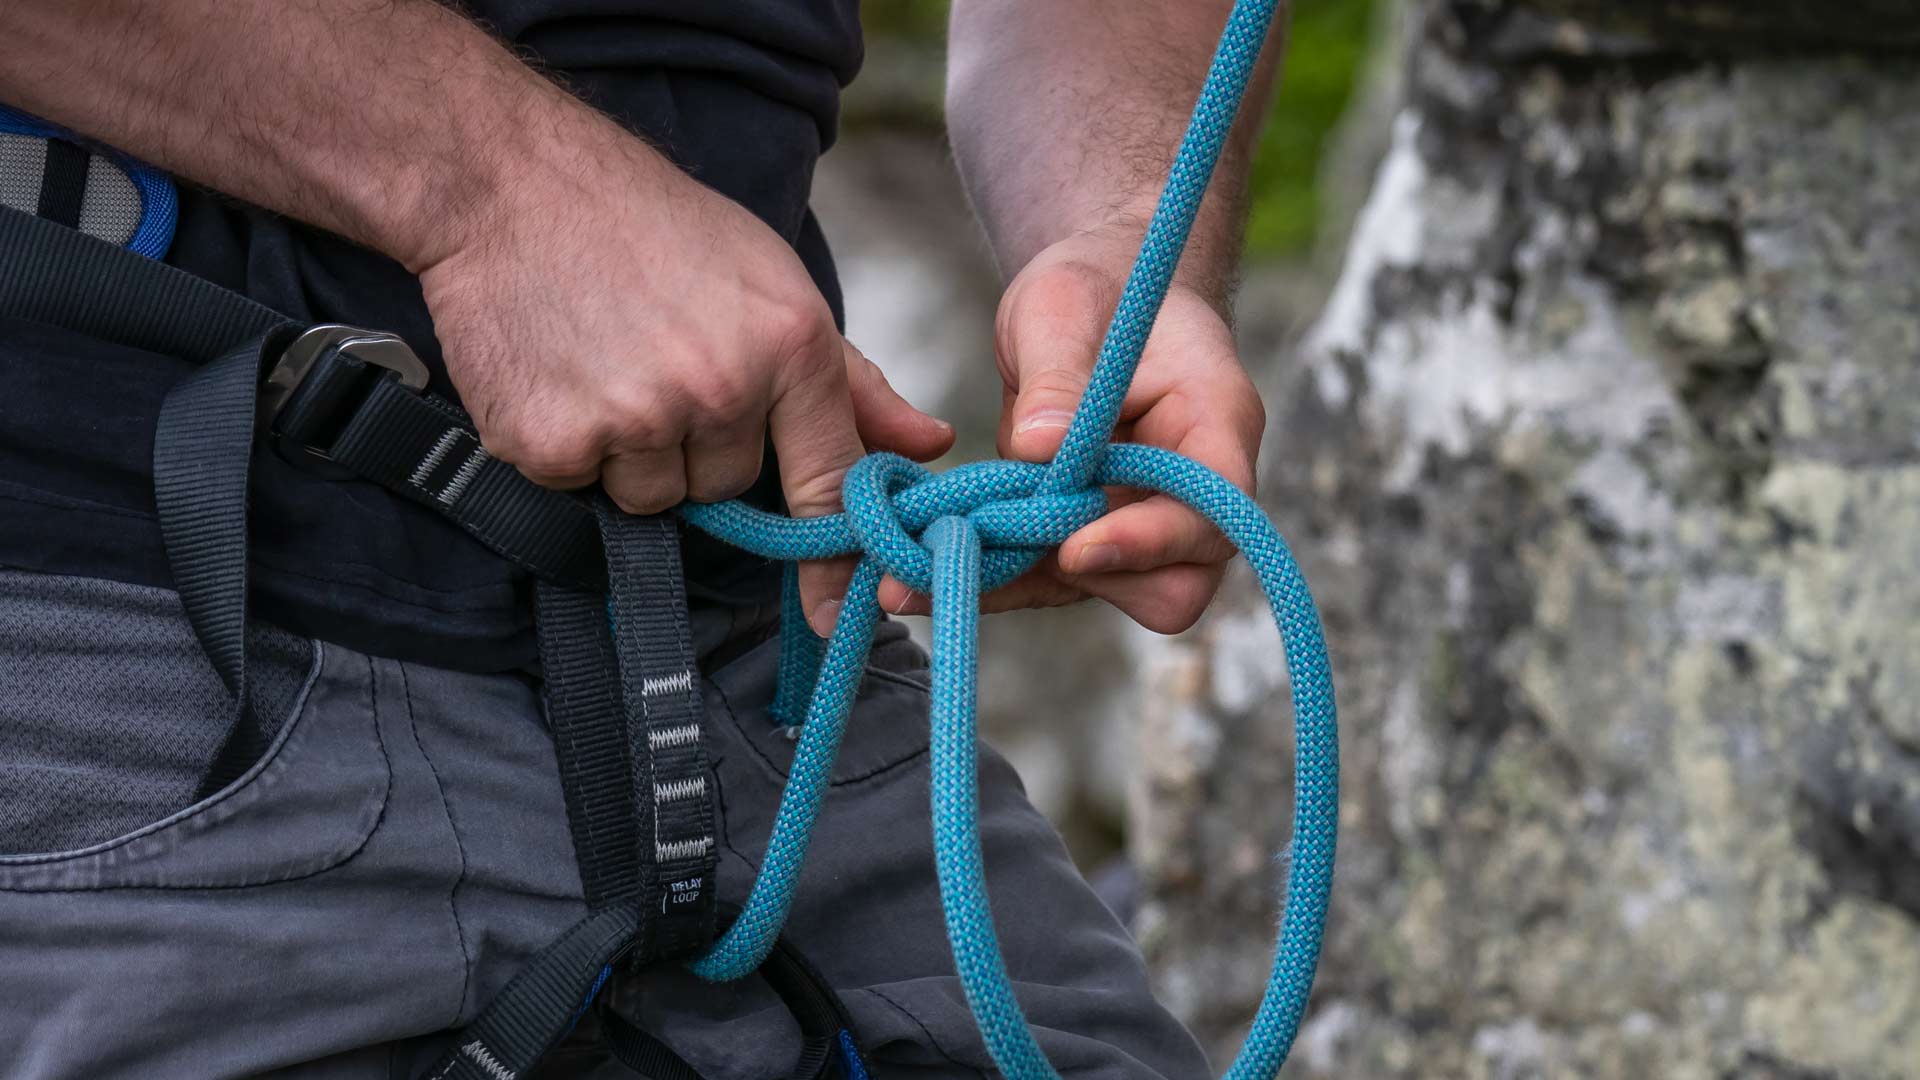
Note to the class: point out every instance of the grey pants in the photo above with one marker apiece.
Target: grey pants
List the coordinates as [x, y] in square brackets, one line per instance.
[402, 849]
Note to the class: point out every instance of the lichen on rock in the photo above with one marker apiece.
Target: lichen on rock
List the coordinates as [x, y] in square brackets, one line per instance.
[1604, 462]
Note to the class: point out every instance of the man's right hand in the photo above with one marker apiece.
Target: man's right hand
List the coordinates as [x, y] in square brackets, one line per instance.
[604, 316]
[609, 318]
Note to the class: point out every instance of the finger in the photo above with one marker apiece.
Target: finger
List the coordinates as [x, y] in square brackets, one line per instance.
[816, 440]
[1043, 586]
[546, 454]
[1156, 532]
[885, 420]
[550, 473]
[897, 599]
[723, 462]
[1213, 424]
[1217, 422]
[645, 481]
[1168, 600]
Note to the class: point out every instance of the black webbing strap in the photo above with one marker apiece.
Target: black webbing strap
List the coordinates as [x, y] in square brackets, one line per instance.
[540, 1006]
[660, 694]
[821, 1015]
[63, 183]
[424, 449]
[201, 449]
[52, 274]
[643, 1053]
[817, 1010]
[623, 689]
[590, 739]
[623, 702]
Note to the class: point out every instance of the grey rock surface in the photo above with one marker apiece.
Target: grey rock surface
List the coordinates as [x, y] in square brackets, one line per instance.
[1604, 461]
[1603, 458]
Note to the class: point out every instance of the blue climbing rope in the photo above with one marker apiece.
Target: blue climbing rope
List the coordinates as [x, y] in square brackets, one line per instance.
[979, 526]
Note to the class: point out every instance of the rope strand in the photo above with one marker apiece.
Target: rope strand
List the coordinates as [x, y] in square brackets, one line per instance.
[979, 526]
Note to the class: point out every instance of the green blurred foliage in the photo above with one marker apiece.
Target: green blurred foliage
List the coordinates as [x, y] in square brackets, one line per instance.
[1326, 47]
[920, 20]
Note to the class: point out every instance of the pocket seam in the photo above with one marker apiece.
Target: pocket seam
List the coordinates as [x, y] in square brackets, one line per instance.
[784, 774]
[244, 781]
[248, 781]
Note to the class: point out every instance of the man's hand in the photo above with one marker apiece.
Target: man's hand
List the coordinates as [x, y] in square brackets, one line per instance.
[1064, 117]
[1150, 557]
[614, 320]
[603, 315]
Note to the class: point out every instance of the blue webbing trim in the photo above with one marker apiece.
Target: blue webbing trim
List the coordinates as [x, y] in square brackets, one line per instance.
[856, 1069]
[159, 202]
[586, 1003]
[979, 526]
[159, 209]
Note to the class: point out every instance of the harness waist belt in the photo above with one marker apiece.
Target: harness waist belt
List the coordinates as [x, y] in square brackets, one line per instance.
[623, 693]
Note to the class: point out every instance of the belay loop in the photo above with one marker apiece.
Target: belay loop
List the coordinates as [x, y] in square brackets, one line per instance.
[981, 525]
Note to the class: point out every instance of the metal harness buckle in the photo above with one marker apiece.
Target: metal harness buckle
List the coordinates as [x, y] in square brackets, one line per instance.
[338, 356]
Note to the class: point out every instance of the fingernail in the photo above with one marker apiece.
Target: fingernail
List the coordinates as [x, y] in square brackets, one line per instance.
[824, 615]
[1096, 559]
[1045, 418]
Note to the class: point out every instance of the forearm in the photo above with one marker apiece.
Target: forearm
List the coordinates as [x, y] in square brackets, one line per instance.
[1065, 115]
[390, 123]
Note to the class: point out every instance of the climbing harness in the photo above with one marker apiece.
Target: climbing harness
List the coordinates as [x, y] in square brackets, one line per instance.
[50, 172]
[610, 614]
[623, 692]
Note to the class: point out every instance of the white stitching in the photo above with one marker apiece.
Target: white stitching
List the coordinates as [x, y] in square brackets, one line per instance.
[675, 790]
[485, 1059]
[674, 850]
[679, 736]
[681, 683]
[469, 469]
[433, 459]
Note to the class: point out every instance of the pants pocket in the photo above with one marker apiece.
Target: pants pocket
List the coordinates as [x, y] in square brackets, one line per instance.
[109, 718]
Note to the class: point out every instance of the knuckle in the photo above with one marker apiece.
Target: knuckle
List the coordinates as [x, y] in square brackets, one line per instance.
[724, 392]
[1063, 297]
[548, 452]
[800, 331]
[1066, 382]
[1068, 288]
[634, 409]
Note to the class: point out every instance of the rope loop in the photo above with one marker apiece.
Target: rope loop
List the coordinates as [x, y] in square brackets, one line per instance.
[978, 526]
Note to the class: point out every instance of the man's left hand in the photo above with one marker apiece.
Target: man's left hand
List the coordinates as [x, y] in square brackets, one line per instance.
[1150, 556]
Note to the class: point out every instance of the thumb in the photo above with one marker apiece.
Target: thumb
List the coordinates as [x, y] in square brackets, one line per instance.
[1047, 335]
[1050, 387]
[885, 420]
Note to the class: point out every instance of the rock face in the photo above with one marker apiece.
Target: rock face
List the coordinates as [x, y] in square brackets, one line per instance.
[1604, 461]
